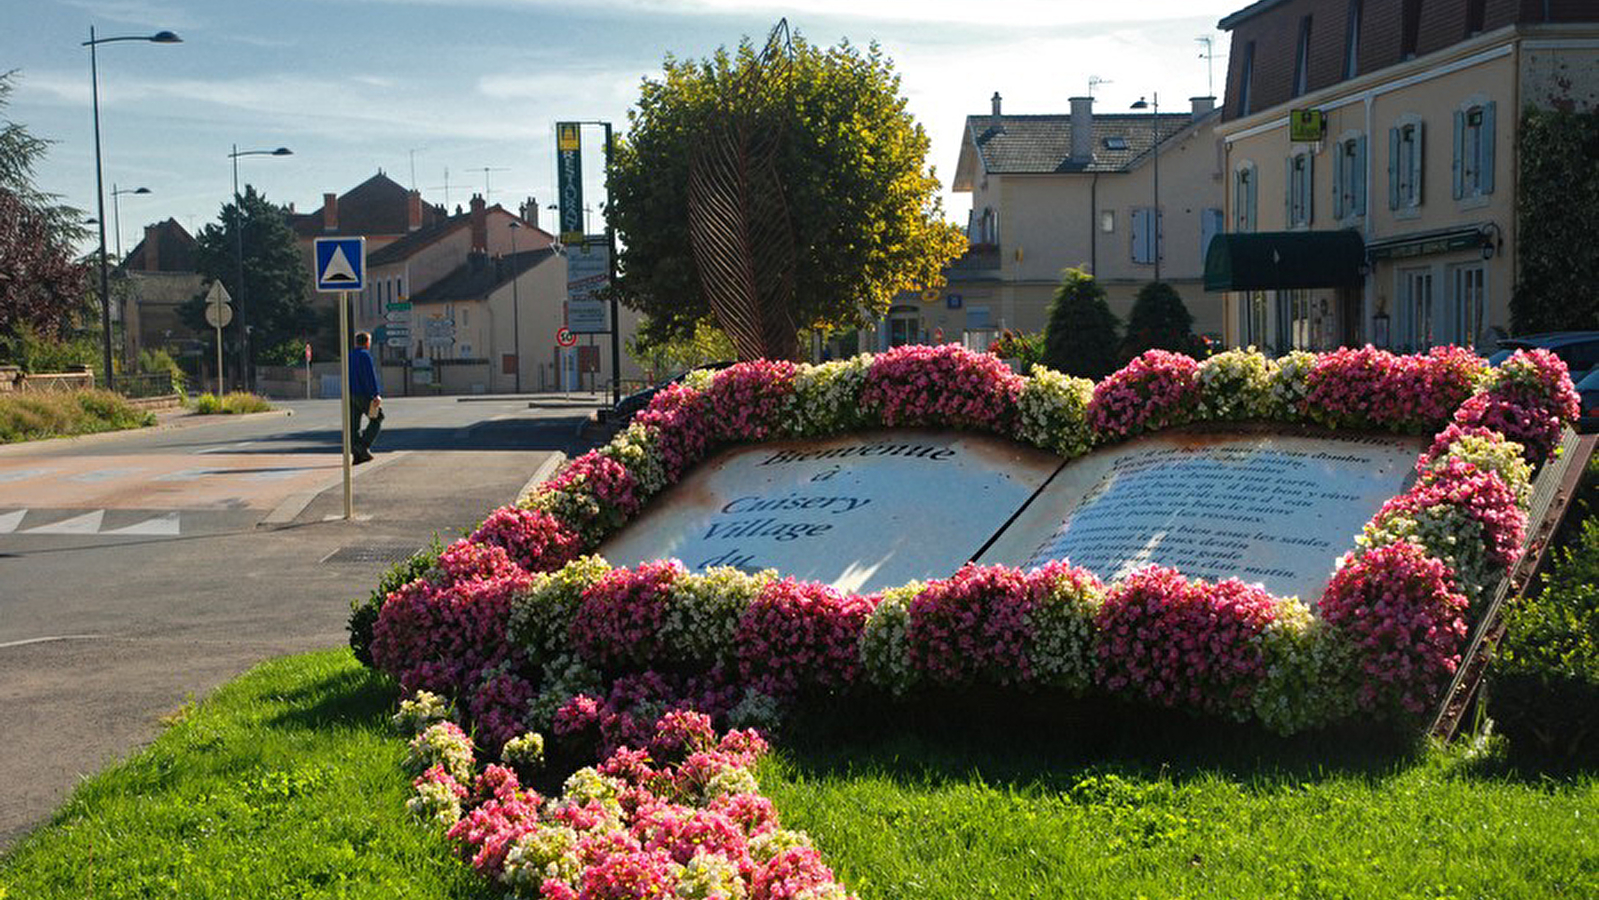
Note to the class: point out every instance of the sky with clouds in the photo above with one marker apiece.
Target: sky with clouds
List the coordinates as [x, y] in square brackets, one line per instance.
[446, 88]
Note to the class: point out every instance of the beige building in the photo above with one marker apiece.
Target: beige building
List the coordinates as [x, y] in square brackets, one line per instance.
[1056, 191]
[1394, 222]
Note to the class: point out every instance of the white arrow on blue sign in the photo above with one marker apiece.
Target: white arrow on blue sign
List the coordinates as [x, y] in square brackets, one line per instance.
[340, 264]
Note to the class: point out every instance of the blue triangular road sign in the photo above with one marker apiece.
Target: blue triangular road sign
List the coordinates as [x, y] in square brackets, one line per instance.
[340, 264]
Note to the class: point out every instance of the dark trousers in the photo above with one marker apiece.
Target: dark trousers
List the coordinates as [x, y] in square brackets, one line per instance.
[361, 440]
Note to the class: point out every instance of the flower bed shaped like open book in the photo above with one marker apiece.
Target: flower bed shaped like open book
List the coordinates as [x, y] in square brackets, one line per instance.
[527, 634]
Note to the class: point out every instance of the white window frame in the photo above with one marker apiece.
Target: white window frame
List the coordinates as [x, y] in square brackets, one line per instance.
[1246, 195]
[1468, 301]
[1349, 177]
[1474, 148]
[1407, 163]
[1416, 325]
[1301, 188]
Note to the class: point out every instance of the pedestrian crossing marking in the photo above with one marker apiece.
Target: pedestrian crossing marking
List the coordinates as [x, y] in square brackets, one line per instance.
[9, 521]
[22, 474]
[165, 525]
[88, 523]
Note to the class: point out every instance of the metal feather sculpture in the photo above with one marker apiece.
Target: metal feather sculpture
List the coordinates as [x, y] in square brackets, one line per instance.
[739, 230]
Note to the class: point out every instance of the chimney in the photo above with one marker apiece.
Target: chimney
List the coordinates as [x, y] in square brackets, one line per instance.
[330, 212]
[1082, 129]
[152, 249]
[994, 122]
[1202, 106]
[413, 210]
[530, 211]
[480, 225]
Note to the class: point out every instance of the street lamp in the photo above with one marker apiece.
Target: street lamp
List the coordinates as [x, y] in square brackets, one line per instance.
[160, 37]
[1154, 125]
[116, 212]
[516, 309]
[245, 375]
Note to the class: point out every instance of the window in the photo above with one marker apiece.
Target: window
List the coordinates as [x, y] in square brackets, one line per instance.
[1476, 13]
[1414, 330]
[985, 227]
[1404, 164]
[1211, 223]
[1349, 177]
[1302, 59]
[465, 319]
[1294, 320]
[1409, 28]
[1107, 220]
[1245, 75]
[1301, 182]
[1467, 303]
[1244, 182]
[1146, 235]
[1473, 167]
[1255, 319]
[1115, 143]
[1352, 40]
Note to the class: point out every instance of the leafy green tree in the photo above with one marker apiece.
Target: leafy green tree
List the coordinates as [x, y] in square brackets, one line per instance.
[1557, 215]
[275, 277]
[42, 286]
[863, 208]
[1081, 337]
[1159, 321]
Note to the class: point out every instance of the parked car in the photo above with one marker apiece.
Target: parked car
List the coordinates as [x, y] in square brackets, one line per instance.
[1579, 349]
[1588, 391]
[634, 403]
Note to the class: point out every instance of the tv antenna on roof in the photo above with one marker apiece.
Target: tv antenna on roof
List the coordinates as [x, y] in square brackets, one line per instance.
[445, 188]
[486, 170]
[1095, 81]
[1209, 56]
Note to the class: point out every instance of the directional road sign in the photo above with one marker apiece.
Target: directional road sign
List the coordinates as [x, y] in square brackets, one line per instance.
[340, 264]
[217, 311]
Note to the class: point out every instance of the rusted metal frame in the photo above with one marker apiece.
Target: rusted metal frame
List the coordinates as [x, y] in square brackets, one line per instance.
[1554, 489]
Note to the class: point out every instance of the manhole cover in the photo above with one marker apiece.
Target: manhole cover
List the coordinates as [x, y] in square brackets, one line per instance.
[370, 555]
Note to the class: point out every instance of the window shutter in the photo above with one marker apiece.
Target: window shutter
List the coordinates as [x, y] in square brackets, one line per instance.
[1140, 235]
[1253, 207]
[1486, 179]
[1288, 193]
[1421, 159]
[1458, 170]
[1310, 188]
[1393, 168]
[1357, 189]
[1338, 181]
[1210, 225]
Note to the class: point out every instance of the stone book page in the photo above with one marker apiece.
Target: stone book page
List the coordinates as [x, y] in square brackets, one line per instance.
[1269, 509]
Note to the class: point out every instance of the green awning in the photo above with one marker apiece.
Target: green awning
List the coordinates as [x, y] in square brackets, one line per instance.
[1280, 260]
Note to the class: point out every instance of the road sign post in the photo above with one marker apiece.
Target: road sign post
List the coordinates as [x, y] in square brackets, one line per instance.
[219, 314]
[341, 268]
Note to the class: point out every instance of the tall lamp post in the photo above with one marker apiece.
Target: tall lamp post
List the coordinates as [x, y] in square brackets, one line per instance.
[1154, 125]
[160, 37]
[116, 212]
[516, 308]
[245, 375]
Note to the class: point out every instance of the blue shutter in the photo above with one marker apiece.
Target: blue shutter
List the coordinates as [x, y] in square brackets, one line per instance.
[1338, 181]
[1357, 189]
[1139, 236]
[1254, 197]
[1310, 188]
[1211, 223]
[1458, 169]
[1393, 168]
[1288, 193]
[1421, 159]
[1486, 179]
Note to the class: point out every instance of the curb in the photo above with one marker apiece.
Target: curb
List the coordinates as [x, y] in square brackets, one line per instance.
[177, 424]
[290, 508]
[550, 466]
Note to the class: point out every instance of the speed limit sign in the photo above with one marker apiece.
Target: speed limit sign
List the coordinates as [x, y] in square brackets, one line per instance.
[564, 337]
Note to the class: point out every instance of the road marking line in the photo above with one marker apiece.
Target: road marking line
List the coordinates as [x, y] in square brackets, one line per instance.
[88, 523]
[20, 474]
[188, 474]
[9, 521]
[103, 474]
[163, 525]
[227, 448]
[56, 637]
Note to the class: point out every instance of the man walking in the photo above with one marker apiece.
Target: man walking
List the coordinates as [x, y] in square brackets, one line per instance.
[366, 399]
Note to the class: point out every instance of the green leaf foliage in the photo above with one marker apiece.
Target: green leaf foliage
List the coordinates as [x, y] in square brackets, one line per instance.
[1081, 337]
[1159, 321]
[1557, 214]
[865, 211]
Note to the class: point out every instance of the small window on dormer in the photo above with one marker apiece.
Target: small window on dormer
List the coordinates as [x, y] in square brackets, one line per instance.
[1115, 143]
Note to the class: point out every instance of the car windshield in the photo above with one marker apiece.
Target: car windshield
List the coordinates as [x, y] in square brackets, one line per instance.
[1590, 382]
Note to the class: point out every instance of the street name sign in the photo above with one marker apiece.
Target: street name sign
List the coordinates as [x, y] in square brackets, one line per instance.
[340, 264]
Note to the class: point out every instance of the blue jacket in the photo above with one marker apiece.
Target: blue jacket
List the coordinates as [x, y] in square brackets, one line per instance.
[363, 374]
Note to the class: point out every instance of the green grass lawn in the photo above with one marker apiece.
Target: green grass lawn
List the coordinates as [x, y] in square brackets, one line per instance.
[285, 783]
[1163, 807]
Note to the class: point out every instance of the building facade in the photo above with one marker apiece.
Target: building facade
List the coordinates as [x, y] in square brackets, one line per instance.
[1389, 218]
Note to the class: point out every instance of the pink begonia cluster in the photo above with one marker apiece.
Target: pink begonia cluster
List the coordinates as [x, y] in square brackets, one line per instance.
[485, 834]
[685, 432]
[1174, 641]
[1481, 496]
[972, 627]
[746, 402]
[532, 539]
[628, 712]
[1529, 399]
[943, 386]
[498, 706]
[619, 620]
[1364, 387]
[1156, 390]
[594, 494]
[1397, 606]
[801, 637]
[438, 638]
[468, 560]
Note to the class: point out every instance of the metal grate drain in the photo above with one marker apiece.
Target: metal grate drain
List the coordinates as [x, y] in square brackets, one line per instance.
[370, 555]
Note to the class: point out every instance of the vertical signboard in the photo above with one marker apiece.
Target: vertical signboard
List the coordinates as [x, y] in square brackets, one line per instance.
[569, 180]
[588, 273]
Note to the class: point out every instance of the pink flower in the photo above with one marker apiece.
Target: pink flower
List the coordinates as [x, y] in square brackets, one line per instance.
[1154, 391]
[801, 637]
[944, 386]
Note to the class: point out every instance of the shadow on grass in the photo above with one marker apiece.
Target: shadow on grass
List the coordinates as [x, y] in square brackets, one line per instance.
[1053, 742]
[350, 697]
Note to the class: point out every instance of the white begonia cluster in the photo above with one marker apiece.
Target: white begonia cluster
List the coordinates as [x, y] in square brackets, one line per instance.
[731, 780]
[435, 803]
[1312, 676]
[441, 744]
[699, 379]
[424, 709]
[1234, 385]
[765, 847]
[709, 876]
[541, 615]
[589, 785]
[548, 851]
[827, 397]
[1445, 533]
[703, 610]
[1290, 384]
[564, 677]
[1053, 412]
[637, 449]
[885, 653]
[1491, 454]
[525, 751]
[1062, 624]
[756, 710]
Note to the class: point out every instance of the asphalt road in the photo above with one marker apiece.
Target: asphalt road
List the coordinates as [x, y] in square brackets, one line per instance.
[143, 569]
